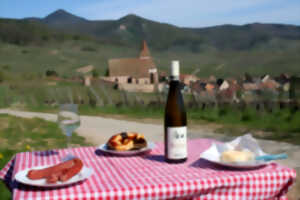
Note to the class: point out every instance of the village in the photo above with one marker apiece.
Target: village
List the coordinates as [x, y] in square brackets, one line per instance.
[141, 74]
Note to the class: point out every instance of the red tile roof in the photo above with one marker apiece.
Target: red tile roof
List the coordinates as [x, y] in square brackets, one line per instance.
[133, 67]
[185, 76]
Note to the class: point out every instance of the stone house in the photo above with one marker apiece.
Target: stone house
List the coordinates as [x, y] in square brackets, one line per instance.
[224, 86]
[269, 84]
[188, 79]
[141, 70]
[228, 90]
[86, 72]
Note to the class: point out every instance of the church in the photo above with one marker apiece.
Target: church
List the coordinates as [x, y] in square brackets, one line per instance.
[141, 70]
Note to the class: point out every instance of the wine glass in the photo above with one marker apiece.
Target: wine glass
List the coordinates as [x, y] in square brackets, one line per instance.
[68, 120]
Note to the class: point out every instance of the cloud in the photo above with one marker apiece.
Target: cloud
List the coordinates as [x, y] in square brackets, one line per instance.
[197, 13]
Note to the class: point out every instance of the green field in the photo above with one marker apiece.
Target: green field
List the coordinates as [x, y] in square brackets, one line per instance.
[33, 61]
[19, 135]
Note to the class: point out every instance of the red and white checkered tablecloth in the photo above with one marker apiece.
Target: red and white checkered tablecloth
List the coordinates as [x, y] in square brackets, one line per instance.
[149, 177]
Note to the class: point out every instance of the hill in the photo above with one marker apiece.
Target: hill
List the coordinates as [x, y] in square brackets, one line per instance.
[31, 31]
[131, 29]
[64, 42]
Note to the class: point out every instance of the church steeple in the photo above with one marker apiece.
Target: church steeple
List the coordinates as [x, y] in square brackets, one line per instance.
[145, 53]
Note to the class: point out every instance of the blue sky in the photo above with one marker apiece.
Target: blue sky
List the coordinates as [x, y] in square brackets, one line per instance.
[187, 13]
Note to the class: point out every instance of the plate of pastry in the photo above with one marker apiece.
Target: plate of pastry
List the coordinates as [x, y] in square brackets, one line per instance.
[243, 152]
[127, 144]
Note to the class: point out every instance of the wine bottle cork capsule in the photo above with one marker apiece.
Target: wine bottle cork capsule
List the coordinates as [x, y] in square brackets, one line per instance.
[175, 68]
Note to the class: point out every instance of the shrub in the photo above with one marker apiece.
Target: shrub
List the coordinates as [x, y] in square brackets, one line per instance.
[6, 67]
[51, 73]
[45, 37]
[76, 37]
[24, 51]
[88, 48]
[222, 112]
[245, 117]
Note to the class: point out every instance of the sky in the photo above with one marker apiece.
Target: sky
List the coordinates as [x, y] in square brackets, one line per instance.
[183, 13]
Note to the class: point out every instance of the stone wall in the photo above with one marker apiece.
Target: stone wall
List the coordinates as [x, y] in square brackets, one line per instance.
[116, 79]
[124, 79]
[139, 87]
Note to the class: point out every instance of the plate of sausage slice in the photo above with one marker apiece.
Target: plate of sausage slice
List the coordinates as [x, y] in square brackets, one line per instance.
[62, 174]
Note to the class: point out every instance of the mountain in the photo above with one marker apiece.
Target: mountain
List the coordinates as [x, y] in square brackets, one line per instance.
[132, 29]
[23, 32]
[62, 17]
[128, 30]
[247, 36]
[34, 31]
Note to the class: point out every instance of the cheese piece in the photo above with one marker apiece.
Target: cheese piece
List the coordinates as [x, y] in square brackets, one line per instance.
[237, 156]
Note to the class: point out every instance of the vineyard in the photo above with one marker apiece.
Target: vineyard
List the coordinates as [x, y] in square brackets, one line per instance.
[267, 111]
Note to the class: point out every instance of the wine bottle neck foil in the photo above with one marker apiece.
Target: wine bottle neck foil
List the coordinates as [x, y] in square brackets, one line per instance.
[174, 78]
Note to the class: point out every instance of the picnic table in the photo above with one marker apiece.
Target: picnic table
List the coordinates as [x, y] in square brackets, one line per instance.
[149, 177]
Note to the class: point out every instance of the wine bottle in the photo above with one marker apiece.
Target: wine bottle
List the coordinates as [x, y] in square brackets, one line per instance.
[175, 120]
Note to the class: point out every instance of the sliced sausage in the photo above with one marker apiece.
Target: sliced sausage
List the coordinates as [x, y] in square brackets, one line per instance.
[46, 172]
[69, 173]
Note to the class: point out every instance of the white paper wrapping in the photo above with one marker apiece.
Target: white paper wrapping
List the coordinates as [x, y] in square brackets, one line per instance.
[242, 143]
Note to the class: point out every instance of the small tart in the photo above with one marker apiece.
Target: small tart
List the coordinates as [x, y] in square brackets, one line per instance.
[126, 141]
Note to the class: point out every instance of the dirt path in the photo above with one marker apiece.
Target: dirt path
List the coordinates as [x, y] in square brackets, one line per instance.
[97, 130]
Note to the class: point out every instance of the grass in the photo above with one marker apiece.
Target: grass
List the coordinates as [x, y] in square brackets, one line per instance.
[19, 135]
[66, 57]
[280, 125]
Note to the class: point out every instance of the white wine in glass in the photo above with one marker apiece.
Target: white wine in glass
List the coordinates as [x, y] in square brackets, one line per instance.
[68, 120]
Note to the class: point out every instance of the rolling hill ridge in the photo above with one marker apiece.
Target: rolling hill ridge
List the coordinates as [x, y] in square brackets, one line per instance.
[131, 29]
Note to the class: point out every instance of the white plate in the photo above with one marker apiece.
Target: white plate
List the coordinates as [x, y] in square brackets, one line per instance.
[241, 165]
[21, 177]
[214, 152]
[104, 148]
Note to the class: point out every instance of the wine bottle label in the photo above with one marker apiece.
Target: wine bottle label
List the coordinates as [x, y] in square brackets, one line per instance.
[177, 142]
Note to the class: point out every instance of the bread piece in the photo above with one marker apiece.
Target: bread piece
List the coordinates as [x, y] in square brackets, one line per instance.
[237, 156]
[139, 142]
[126, 141]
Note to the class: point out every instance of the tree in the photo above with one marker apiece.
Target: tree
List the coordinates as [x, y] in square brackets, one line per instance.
[95, 73]
[6, 67]
[1, 76]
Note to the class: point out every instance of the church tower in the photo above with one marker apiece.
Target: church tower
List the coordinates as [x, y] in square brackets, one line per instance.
[145, 53]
